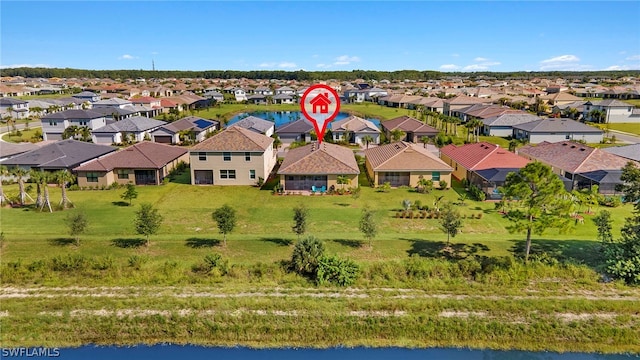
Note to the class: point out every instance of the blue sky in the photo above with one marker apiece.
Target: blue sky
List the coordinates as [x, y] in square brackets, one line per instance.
[327, 35]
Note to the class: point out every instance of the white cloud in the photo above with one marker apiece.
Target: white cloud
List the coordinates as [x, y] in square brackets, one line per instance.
[346, 60]
[561, 59]
[475, 67]
[127, 57]
[633, 57]
[14, 66]
[455, 55]
[266, 65]
[287, 65]
[323, 66]
[480, 59]
[616, 67]
[449, 67]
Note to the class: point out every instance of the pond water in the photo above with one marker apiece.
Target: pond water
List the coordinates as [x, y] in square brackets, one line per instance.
[283, 117]
[161, 352]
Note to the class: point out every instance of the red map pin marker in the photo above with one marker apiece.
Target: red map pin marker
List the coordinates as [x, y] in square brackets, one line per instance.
[320, 104]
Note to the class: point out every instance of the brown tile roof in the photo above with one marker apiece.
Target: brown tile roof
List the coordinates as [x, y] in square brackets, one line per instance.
[483, 155]
[143, 155]
[326, 158]
[573, 157]
[235, 139]
[409, 124]
[403, 156]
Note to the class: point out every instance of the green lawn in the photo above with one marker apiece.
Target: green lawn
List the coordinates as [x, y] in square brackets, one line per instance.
[25, 135]
[633, 128]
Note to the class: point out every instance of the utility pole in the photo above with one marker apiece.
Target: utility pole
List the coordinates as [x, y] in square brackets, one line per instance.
[153, 65]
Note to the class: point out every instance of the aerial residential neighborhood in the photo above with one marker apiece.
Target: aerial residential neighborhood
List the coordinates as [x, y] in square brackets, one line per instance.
[344, 180]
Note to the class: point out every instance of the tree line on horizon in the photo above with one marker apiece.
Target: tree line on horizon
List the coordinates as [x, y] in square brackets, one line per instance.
[302, 75]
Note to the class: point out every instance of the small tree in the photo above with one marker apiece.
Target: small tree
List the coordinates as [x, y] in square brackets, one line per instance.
[425, 140]
[368, 225]
[130, 193]
[343, 180]
[147, 221]
[225, 217]
[450, 222]
[306, 255]
[20, 174]
[397, 135]
[77, 224]
[603, 223]
[300, 214]
[63, 177]
[367, 139]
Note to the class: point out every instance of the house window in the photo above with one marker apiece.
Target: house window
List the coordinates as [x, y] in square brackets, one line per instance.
[435, 176]
[252, 174]
[53, 123]
[568, 137]
[202, 156]
[83, 123]
[226, 156]
[92, 177]
[122, 174]
[247, 156]
[227, 174]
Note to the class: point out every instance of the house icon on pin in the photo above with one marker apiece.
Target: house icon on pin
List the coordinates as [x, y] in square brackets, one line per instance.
[321, 101]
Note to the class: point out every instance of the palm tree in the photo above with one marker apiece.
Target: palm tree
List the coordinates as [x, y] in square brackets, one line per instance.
[36, 176]
[367, 140]
[85, 134]
[397, 134]
[20, 173]
[3, 172]
[342, 180]
[425, 140]
[46, 201]
[63, 177]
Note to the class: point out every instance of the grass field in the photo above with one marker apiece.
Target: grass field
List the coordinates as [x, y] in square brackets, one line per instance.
[633, 128]
[25, 135]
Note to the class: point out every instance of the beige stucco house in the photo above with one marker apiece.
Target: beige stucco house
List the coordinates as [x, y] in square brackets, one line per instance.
[235, 156]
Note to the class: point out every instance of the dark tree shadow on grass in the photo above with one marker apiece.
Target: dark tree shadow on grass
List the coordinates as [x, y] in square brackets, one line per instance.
[342, 204]
[120, 203]
[350, 243]
[128, 243]
[278, 241]
[62, 241]
[579, 251]
[201, 242]
[439, 249]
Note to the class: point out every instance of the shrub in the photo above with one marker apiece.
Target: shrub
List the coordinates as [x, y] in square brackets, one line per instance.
[73, 187]
[334, 270]
[476, 193]
[306, 255]
[443, 184]
[211, 262]
[71, 262]
[137, 261]
[104, 263]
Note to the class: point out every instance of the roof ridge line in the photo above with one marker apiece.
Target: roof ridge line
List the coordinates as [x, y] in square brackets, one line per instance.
[586, 158]
[486, 156]
[396, 154]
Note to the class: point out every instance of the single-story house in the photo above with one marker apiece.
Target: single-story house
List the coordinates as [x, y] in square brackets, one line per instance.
[318, 165]
[554, 130]
[502, 125]
[357, 128]
[469, 158]
[404, 164]
[235, 156]
[616, 111]
[65, 154]
[299, 130]
[139, 127]
[576, 162]
[197, 129]
[257, 99]
[256, 124]
[413, 128]
[284, 99]
[631, 152]
[145, 163]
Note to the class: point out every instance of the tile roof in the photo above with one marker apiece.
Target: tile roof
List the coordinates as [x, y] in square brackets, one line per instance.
[557, 125]
[325, 158]
[483, 155]
[409, 124]
[573, 157]
[298, 127]
[11, 101]
[143, 155]
[132, 124]
[254, 123]
[235, 138]
[631, 152]
[463, 100]
[561, 96]
[112, 101]
[73, 114]
[610, 103]
[354, 123]
[61, 154]
[510, 119]
[403, 156]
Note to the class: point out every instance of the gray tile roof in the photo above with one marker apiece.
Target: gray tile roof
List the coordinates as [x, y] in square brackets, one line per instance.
[65, 154]
[132, 124]
[295, 127]
[254, 123]
[73, 114]
[510, 119]
[631, 152]
[7, 101]
[191, 123]
[109, 111]
[557, 125]
[112, 101]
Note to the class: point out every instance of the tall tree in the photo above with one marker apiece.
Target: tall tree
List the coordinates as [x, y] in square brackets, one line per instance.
[225, 217]
[368, 226]
[77, 224]
[603, 224]
[64, 177]
[450, 222]
[300, 214]
[3, 172]
[147, 221]
[46, 200]
[368, 139]
[542, 203]
[37, 177]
